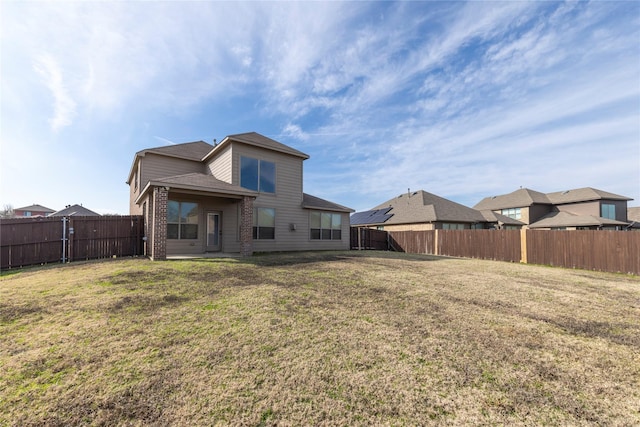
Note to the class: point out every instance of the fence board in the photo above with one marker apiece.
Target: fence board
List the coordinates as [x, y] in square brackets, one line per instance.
[612, 251]
[416, 242]
[502, 245]
[30, 241]
[40, 240]
[368, 238]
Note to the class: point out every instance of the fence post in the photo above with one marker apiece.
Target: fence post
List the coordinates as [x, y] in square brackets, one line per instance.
[64, 239]
[71, 234]
[435, 242]
[523, 246]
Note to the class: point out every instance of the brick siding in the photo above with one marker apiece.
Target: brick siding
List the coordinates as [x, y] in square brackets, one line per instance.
[246, 226]
[159, 242]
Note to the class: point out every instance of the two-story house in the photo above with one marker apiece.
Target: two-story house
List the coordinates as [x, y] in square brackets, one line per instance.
[420, 210]
[32, 210]
[578, 209]
[242, 195]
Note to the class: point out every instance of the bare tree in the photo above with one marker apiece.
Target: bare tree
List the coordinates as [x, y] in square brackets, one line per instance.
[7, 211]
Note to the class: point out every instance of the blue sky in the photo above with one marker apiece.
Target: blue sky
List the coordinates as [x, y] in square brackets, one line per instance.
[464, 100]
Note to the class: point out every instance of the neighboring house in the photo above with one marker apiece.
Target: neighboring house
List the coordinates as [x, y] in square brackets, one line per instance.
[633, 216]
[420, 210]
[579, 209]
[75, 210]
[33, 210]
[244, 194]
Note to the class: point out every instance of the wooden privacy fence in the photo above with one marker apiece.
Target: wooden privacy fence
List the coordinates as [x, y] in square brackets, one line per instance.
[503, 245]
[368, 238]
[62, 239]
[611, 251]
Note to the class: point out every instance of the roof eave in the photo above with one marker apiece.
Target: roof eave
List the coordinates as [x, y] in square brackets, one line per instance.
[228, 139]
[342, 209]
[195, 188]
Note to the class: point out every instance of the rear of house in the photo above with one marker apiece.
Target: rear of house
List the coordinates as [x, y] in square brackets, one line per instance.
[240, 196]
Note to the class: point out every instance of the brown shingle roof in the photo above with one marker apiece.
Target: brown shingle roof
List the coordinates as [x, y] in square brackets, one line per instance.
[75, 210]
[202, 182]
[35, 208]
[517, 199]
[421, 206]
[525, 197]
[492, 217]
[313, 202]
[566, 219]
[188, 150]
[582, 195]
[633, 213]
[194, 151]
[257, 140]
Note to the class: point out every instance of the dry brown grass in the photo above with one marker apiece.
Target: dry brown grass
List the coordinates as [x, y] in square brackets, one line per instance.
[318, 339]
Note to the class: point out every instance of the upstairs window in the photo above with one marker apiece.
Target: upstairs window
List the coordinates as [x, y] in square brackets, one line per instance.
[257, 175]
[515, 213]
[608, 211]
[182, 220]
[325, 226]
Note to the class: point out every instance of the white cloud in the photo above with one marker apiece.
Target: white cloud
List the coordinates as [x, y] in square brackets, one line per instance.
[64, 107]
[434, 95]
[295, 131]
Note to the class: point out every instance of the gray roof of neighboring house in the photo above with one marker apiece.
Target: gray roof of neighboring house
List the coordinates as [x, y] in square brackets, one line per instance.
[525, 197]
[75, 210]
[583, 195]
[492, 217]
[633, 213]
[313, 202]
[257, 140]
[516, 199]
[423, 207]
[35, 208]
[566, 219]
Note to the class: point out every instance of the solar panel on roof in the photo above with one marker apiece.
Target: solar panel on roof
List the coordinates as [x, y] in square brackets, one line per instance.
[376, 216]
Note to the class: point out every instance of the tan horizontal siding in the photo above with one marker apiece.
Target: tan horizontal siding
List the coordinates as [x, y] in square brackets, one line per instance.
[409, 227]
[288, 170]
[220, 165]
[155, 167]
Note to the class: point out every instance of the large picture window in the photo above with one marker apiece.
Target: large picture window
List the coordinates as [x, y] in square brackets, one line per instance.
[182, 220]
[325, 226]
[515, 213]
[257, 175]
[608, 211]
[264, 223]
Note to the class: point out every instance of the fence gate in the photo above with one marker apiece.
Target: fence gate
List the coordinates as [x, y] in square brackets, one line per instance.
[31, 241]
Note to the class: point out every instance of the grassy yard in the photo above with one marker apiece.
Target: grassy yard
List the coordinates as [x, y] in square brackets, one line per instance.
[345, 338]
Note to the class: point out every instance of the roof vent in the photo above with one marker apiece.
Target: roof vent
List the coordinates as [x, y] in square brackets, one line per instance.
[565, 192]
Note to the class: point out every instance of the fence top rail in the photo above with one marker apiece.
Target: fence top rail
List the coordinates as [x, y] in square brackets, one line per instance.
[29, 219]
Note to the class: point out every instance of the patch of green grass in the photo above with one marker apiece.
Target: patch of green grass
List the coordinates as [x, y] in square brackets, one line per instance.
[337, 338]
